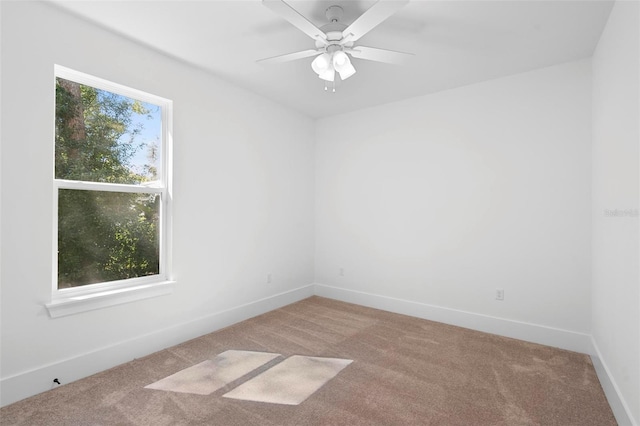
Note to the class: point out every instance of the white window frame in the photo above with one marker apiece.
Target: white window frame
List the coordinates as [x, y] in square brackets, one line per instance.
[73, 300]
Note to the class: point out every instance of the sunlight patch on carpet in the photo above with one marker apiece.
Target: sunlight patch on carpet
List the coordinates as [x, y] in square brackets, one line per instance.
[290, 382]
[211, 375]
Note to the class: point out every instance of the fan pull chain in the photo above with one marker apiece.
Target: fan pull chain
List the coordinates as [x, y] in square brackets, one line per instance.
[333, 88]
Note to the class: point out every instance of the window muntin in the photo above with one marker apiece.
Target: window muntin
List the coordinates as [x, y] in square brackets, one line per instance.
[112, 186]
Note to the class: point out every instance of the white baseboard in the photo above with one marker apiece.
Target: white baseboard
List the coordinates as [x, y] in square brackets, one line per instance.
[617, 402]
[559, 338]
[29, 383]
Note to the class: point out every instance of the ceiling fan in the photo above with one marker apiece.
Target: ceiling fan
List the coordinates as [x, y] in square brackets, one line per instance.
[335, 41]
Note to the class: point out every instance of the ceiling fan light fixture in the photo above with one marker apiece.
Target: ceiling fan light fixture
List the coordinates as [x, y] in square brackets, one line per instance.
[342, 64]
[340, 59]
[321, 64]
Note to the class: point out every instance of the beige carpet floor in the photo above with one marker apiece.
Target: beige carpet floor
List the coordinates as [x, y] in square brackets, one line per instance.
[405, 371]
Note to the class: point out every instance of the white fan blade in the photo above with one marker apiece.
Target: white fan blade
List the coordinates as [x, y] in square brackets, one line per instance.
[372, 17]
[379, 55]
[290, 57]
[294, 18]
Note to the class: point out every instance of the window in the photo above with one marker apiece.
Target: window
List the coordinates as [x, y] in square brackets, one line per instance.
[112, 193]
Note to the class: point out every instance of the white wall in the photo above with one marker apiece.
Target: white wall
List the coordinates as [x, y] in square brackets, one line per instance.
[243, 203]
[432, 203]
[616, 114]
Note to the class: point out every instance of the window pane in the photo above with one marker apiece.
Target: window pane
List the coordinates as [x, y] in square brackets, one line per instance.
[106, 236]
[105, 137]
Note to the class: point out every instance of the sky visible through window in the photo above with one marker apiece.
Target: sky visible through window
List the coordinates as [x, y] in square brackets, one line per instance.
[149, 137]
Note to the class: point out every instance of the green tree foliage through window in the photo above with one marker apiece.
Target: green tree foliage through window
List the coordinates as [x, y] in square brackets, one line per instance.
[108, 138]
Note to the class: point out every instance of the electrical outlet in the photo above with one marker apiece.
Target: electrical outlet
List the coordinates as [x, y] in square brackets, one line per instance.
[341, 272]
[269, 278]
[499, 294]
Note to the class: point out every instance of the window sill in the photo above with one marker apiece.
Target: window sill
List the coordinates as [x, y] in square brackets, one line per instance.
[77, 304]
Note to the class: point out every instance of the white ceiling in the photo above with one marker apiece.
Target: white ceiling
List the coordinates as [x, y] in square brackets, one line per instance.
[455, 43]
